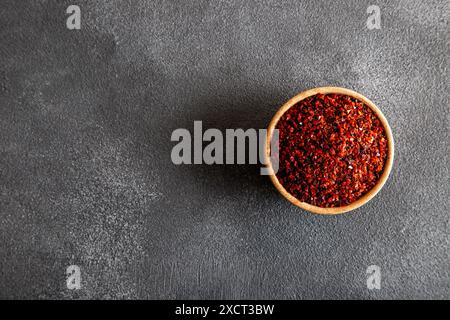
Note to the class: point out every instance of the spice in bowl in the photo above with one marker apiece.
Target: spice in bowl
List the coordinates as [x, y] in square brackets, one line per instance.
[333, 149]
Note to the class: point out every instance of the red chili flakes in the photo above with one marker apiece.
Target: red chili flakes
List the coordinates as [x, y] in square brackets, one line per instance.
[332, 150]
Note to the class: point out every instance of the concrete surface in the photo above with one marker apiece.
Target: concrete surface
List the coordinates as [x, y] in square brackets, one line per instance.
[86, 176]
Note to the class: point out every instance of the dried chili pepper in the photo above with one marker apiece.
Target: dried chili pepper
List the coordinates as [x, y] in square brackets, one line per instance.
[332, 150]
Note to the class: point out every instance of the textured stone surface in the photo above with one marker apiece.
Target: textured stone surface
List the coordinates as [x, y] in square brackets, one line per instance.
[85, 170]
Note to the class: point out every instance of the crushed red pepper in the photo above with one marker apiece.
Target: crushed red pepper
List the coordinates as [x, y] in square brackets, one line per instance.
[332, 150]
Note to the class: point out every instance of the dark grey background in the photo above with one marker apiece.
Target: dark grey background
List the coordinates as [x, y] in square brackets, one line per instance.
[86, 176]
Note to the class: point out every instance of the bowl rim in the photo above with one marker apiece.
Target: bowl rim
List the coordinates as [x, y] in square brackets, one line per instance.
[365, 198]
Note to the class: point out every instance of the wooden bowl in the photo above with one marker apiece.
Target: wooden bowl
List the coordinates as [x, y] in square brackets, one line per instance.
[365, 198]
